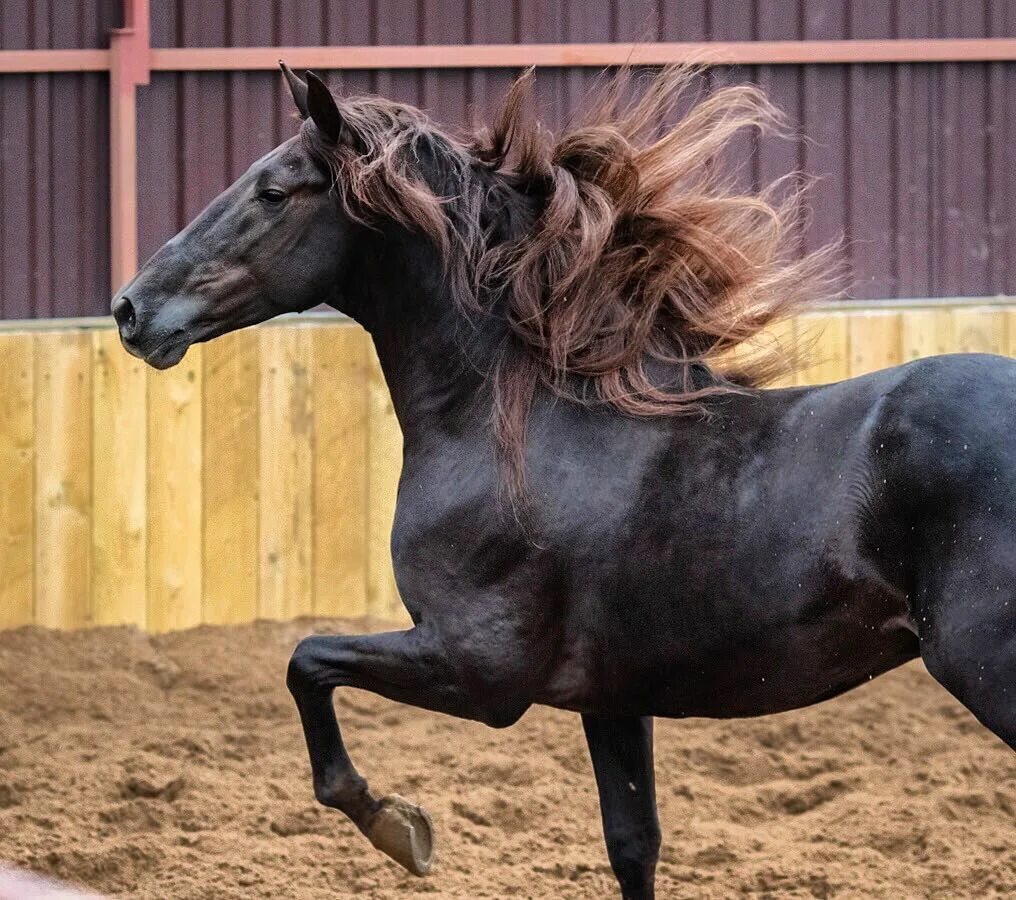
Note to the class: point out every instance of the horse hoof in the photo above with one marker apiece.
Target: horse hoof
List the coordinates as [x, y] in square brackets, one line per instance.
[404, 831]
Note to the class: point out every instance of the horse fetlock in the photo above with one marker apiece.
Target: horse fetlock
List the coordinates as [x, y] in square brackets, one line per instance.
[347, 793]
[633, 860]
[633, 848]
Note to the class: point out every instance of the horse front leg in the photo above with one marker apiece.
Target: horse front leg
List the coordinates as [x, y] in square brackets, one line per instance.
[405, 666]
[621, 748]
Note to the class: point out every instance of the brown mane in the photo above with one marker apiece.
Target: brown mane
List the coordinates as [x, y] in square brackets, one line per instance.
[644, 250]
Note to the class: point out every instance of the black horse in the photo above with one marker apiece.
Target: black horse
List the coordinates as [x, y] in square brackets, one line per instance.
[590, 515]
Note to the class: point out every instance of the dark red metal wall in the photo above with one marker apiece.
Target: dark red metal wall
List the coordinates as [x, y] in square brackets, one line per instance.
[916, 163]
[57, 24]
[280, 22]
[54, 179]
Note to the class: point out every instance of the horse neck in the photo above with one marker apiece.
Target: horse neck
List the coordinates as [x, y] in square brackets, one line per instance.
[417, 329]
[433, 354]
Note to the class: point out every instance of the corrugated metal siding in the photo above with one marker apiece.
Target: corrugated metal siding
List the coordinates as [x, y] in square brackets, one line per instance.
[916, 163]
[57, 24]
[212, 23]
[54, 178]
[54, 195]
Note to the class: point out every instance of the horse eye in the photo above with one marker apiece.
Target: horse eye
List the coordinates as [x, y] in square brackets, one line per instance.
[272, 195]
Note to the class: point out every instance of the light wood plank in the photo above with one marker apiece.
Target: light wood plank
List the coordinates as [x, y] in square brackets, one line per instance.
[875, 341]
[174, 495]
[63, 478]
[927, 332]
[119, 472]
[286, 473]
[340, 470]
[783, 338]
[980, 330]
[230, 564]
[825, 339]
[740, 359]
[1011, 332]
[384, 464]
[17, 479]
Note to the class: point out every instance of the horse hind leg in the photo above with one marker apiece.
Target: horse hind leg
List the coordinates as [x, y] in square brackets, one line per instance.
[966, 620]
[621, 749]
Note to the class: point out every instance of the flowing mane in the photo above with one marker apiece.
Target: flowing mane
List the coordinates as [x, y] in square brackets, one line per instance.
[643, 248]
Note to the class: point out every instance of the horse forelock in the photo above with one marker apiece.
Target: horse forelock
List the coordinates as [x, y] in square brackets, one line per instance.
[642, 246]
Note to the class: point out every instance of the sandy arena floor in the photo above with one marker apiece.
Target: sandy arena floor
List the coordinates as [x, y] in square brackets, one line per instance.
[173, 767]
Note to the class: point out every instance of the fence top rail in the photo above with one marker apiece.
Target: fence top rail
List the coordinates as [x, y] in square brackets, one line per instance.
[443, 56]
[98, 323]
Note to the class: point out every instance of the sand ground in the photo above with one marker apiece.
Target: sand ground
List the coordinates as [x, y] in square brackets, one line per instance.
[173, 767]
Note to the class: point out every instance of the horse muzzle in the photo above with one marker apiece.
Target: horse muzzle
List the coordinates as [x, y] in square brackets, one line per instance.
[161, 340]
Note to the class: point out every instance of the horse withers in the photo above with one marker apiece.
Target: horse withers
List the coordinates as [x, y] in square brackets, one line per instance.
[600, 508]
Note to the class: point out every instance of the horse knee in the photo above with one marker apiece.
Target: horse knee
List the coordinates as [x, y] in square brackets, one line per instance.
[306, 667]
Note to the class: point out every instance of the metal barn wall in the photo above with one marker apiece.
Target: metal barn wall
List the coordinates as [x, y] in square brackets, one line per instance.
[917, 162]
[315, 22]
[54, 169]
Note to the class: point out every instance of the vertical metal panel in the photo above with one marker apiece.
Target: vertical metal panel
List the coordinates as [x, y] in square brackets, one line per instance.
[58, 24]
[916, 204]
[54, 171]
[54, 180]
[552, 20]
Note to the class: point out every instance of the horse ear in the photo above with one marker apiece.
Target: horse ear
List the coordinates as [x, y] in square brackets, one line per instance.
[324, 111]
[297, 87]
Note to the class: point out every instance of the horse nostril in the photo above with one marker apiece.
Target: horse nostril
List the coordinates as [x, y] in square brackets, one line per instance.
[125, 316]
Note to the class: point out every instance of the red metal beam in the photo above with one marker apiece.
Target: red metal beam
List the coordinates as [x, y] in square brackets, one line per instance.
[178, 59]
[470, 56]
[53, 61]
[130, 52]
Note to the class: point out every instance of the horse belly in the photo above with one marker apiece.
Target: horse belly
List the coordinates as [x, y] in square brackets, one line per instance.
[745, 666]
[774, 677]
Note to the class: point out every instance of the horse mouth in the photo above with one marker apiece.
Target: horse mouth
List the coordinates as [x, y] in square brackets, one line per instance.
[163, 357]
[167, 356]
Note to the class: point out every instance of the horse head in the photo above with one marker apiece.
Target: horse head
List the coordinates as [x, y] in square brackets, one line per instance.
[275, 241]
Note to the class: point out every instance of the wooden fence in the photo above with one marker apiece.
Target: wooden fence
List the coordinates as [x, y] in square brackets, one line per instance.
[257, 479]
